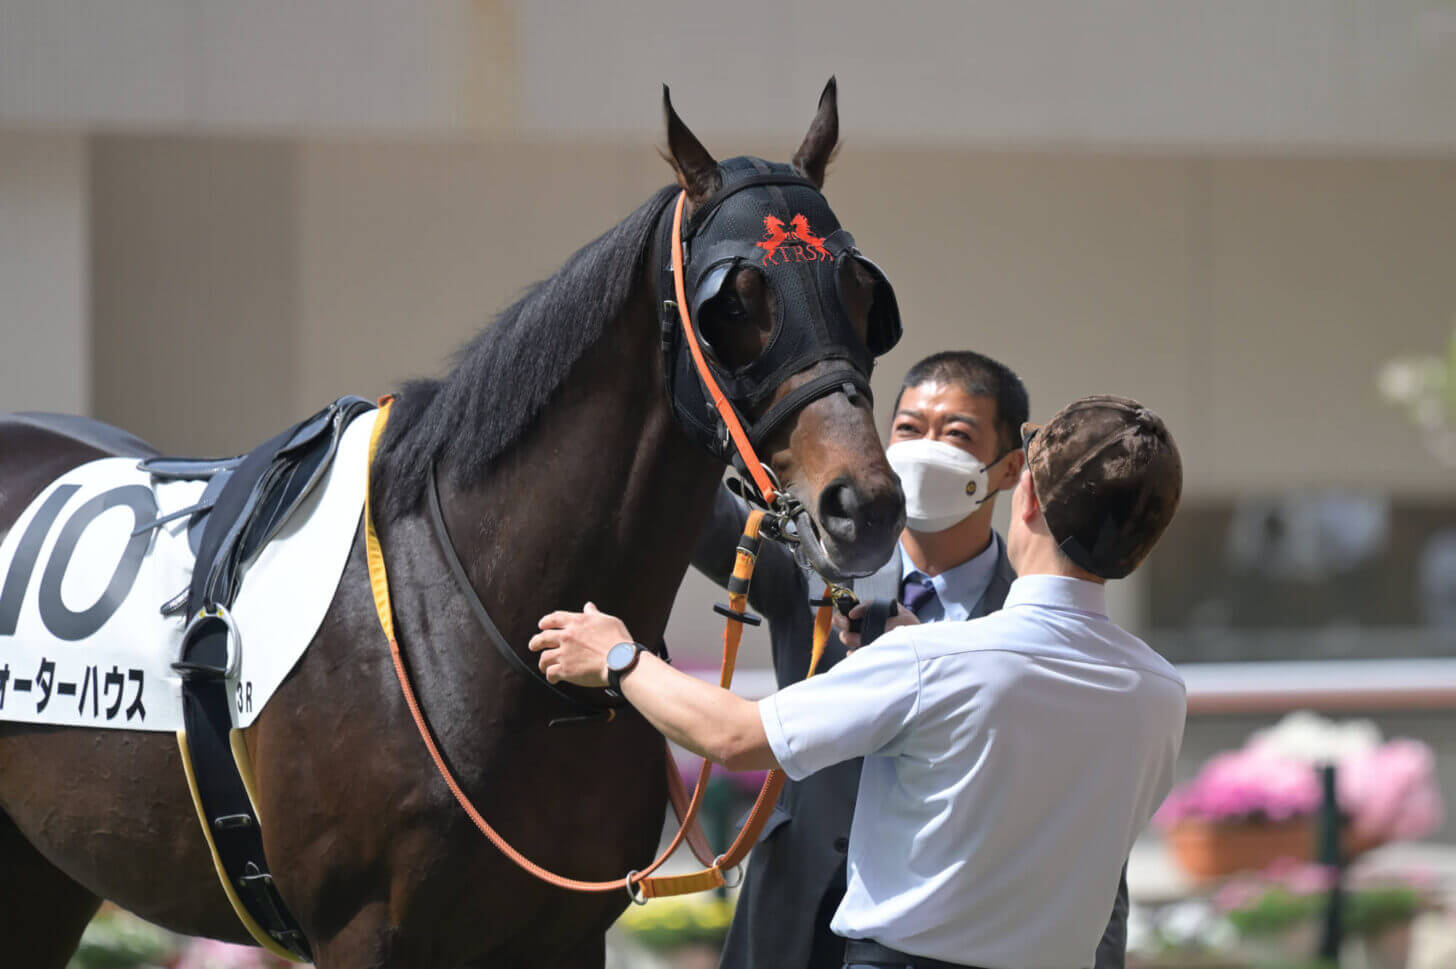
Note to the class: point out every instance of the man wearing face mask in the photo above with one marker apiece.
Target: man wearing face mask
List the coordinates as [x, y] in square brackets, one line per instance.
[954, 442]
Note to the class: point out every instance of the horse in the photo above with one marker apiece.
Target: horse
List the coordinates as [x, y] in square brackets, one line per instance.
[565, 474]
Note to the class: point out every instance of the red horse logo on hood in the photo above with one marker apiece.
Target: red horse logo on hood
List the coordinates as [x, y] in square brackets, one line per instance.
[776, 234]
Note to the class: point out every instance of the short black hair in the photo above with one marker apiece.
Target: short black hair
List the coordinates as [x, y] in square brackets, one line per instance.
[979, 376]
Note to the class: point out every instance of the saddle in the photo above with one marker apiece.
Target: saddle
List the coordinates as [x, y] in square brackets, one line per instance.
[247, 499]
[245, 503]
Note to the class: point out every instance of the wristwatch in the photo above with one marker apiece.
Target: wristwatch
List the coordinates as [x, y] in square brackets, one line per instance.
[621, 659]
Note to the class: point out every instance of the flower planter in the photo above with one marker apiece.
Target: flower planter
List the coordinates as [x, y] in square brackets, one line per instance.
[1388, 948]
[1212, 849]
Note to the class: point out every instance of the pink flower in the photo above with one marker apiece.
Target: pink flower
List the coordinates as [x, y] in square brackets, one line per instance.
[211, 954]
[1301, 878]
[1238, 893]
[1243, 784]
[1389, 792]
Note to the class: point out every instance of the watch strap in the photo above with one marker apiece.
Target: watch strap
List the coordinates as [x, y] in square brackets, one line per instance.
[614, 677]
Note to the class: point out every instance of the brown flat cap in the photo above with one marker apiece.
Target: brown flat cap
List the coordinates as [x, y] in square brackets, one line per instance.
[1108, 477]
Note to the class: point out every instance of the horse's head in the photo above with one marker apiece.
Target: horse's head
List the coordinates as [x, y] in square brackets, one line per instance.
[789, 318]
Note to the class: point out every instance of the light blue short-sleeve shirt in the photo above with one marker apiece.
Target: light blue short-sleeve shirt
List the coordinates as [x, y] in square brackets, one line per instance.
[1010, 761]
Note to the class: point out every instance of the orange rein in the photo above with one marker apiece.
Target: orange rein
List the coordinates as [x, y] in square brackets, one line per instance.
[640, 885]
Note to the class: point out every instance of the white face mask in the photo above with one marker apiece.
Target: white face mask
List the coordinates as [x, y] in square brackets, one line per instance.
[943, 484]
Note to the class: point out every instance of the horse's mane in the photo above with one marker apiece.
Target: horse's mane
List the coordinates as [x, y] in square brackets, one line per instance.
[506, 373]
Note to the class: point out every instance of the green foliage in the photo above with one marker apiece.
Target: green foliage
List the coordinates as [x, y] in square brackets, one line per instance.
[1274, 912]
[1373, 909]
[1367, 910]
[686, 920]
[116, 940]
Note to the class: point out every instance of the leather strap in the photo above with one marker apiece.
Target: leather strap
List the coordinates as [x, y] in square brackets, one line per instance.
[640, 885]
[583, 710]
[843, 377]
[677, 793]
[872, 625]
[224, 805]
[867, 952]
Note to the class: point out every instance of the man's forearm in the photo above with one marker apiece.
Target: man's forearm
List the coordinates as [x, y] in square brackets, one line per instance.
[706, 719]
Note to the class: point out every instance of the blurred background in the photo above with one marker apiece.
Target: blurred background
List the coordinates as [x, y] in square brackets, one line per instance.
[216, 216]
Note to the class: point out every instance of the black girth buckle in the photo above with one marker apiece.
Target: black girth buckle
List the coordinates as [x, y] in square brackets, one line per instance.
[258, 884]
[229, 821]
[293, 940]
[256, 879]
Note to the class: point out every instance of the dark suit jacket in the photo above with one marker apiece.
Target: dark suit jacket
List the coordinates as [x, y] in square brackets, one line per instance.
[796, 873]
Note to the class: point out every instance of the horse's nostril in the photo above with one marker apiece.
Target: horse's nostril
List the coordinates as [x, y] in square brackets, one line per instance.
[839, 511]
[852, 517]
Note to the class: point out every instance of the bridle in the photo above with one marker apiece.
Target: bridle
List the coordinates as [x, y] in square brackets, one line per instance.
[716, 405]
[729, 437]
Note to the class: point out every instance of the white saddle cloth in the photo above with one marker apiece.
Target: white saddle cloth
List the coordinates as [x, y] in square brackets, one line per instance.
[80, 646]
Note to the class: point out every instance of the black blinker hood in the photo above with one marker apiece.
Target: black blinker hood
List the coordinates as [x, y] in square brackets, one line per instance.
[769, 216]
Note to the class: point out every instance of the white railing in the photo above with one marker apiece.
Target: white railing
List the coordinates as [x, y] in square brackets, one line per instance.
[1272, 687]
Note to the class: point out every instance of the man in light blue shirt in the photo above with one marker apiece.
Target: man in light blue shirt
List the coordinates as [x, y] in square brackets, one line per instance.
[1010, 761]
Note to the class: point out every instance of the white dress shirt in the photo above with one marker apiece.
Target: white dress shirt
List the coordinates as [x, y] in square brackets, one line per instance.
[1010, 762]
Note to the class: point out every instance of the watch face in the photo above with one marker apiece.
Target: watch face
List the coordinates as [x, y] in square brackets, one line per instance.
[620, 656]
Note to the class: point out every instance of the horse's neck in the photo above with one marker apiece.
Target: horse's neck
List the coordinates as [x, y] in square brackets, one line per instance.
[601, 501]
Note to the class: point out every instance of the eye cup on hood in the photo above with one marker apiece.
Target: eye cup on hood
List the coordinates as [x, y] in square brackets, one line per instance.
[883, 330]
[716, 285]
[712, 286]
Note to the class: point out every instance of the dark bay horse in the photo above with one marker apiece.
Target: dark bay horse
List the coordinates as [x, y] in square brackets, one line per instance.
[564, 476]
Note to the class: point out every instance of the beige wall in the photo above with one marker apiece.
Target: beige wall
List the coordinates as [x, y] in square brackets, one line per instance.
[44, 332]
[1232, 75]
[1248, 300]
[405, 250]
[194, 290]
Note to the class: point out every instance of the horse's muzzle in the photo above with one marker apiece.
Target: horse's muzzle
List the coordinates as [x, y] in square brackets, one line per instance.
[857, 528]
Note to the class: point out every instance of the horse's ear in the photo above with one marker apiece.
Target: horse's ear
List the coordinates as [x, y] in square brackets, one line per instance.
[819, 145]
[697, 171]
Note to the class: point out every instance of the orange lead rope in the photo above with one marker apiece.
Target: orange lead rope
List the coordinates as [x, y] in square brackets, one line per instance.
[639, 885]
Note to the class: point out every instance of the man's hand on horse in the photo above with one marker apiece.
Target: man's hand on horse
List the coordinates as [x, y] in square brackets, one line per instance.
[574, 645]
[900, 617]
[706, 719]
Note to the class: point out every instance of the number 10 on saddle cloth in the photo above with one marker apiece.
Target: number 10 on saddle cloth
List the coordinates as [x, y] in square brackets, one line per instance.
[83, 640]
